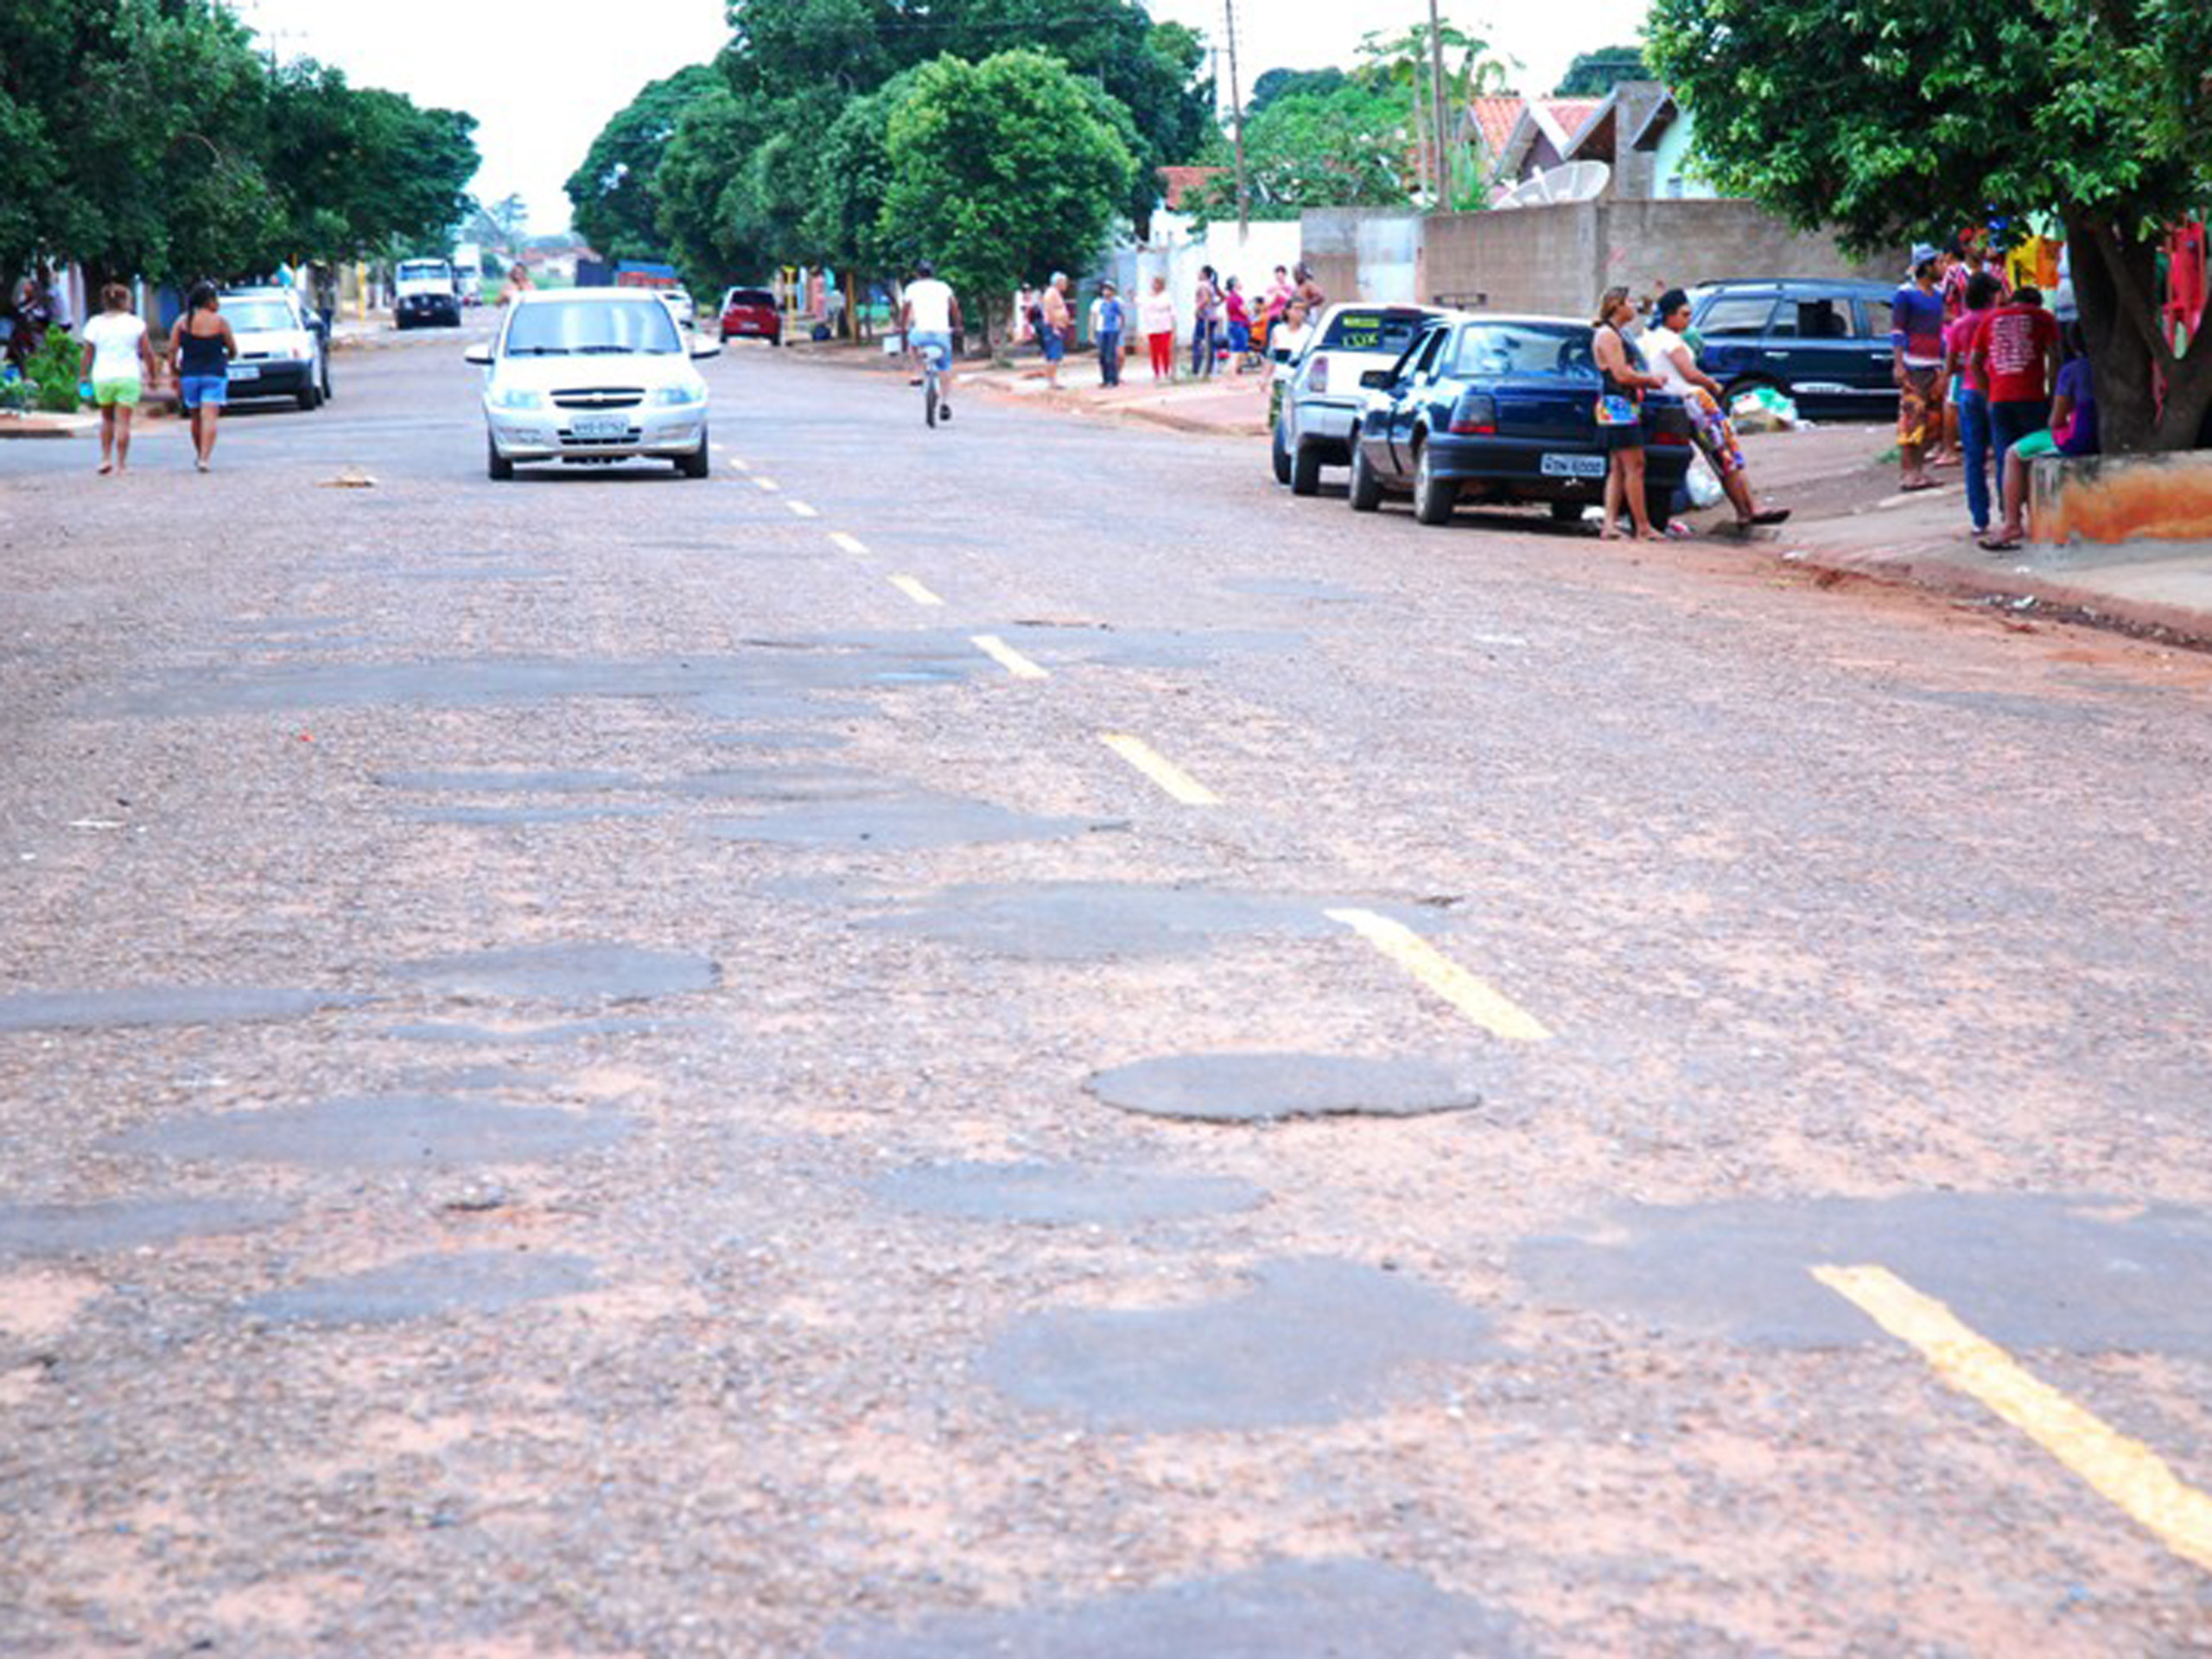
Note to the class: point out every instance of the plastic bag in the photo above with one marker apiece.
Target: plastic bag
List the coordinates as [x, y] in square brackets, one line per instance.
[1702, 482]
[1764, 410]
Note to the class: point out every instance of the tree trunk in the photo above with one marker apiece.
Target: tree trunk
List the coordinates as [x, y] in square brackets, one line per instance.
[2116, 286]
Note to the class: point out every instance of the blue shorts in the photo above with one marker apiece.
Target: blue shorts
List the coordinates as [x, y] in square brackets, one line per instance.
[194, 390]
[1240, 337]
[937, 346]
[1054, 342]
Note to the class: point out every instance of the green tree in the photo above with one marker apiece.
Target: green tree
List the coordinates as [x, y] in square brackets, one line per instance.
[697, 217]
[616, 203]
[1004, 169]
[2106, 112]
[1348, 148]
[847, 219]
[356, 168]
[1280, 82]
[1592, 74]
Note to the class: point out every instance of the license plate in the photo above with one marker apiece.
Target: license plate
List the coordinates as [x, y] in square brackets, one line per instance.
[244, 371]
[601, 426]
[1573, 466]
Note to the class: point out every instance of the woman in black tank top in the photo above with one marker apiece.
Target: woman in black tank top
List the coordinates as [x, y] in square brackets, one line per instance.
[202, 346]
[1622, 436]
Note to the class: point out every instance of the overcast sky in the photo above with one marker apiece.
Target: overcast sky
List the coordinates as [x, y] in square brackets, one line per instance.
[542, 81]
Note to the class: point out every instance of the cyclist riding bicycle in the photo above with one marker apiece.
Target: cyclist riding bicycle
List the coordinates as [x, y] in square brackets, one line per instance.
[928, 313]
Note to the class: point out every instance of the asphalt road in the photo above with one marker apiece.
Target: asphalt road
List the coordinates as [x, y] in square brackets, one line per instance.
[1007, 1041]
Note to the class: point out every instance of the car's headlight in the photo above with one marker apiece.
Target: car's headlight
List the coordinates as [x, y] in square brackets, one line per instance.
[514, 398]
[303, 350]
[679, 396]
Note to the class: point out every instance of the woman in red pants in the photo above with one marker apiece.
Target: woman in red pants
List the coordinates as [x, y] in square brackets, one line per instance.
[1156, 314]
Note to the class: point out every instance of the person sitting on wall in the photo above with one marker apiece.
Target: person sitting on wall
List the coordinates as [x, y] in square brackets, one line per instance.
[2072, 431]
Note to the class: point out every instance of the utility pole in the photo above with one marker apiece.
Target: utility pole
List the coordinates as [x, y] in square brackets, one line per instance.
[1443, 130]
[1236, 122]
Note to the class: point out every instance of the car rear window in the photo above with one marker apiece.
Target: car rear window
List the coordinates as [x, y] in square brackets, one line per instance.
[1518, 348]
[1378, 329]
[750, 296]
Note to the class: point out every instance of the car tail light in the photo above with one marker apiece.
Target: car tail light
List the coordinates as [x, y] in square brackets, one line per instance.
[1475, 416]
[1316, 377]
[1671, 439]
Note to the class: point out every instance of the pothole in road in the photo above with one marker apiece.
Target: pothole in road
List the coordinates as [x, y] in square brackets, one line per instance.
[1316, 1340]
[915, 822]
[1282, 1610]
[571, 1032]
[768, 683]
[579, 972]
[2026, 1270]
[1063, 1194]
[38, 1230]
[381, 1132]
[178, 1005]
[1327, 593]
[1085, 921]
[511, 783]
[1277, 1088]
[499, 816]
[427, 1286]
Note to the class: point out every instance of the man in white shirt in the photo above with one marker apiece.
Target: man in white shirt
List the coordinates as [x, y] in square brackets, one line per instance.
[928, 313]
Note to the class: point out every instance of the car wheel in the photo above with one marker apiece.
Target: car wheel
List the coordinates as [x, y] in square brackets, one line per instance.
[497, 466]
[698, 463]
[1569, 512]
[1366, 489]
[311, 399]
[1434, 499]
[1305, 471]
[1279, 454]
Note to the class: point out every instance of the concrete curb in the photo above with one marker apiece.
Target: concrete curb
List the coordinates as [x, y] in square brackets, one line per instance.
[48, 426]
[1942, 569]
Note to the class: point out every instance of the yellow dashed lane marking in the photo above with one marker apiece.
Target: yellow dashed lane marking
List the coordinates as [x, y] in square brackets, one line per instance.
[1482, 1002]
[851, 545]
[1008, 657]
[914, 590]
[2123, 1471]
[741, 465]
[767, 484]
[1162, 770]
[800, 509]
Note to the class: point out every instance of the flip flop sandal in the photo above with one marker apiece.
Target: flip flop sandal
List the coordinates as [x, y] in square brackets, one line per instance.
[1772, 516]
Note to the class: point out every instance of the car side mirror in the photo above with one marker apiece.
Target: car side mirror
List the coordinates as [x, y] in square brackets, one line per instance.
[1378, 378]
[479, 355]
[703, 346]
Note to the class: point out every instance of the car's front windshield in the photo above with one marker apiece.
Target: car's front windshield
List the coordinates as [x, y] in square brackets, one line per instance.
[1491, 349]
[592, 327]
[424, 271]
[259, 316]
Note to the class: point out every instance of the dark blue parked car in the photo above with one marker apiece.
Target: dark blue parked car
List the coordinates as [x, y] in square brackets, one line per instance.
[1502, 409]
[1825, 343]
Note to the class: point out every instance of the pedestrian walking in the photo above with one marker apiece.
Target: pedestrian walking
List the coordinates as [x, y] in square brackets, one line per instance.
[1057, 323]
[202, 346]
[2016, 349]
[1206, 302]
[1109, 318]
[1620, 418]
[1668, 355]
[2072, 431]
[1917, 350]
[1983, 290]
[117, 350]
[1156, 315]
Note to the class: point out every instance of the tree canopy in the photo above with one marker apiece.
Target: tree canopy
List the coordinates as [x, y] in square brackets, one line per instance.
[1005, 168]
[616, 202]
[149, 136]
[1874, 116]
[1592, 74]
[1345, 147]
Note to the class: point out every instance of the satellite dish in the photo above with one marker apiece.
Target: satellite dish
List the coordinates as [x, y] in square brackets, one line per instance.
[1574, 181]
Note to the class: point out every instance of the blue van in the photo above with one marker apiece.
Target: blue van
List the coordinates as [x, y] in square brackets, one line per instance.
[1825, 344]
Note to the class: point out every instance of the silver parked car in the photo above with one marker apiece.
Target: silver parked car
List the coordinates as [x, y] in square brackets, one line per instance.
[594, 375]
[1323, 402]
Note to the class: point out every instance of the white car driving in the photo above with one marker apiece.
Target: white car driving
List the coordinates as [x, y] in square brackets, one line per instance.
[594, 375]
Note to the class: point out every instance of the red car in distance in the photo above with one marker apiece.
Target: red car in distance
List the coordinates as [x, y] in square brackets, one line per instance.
[751, 314]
